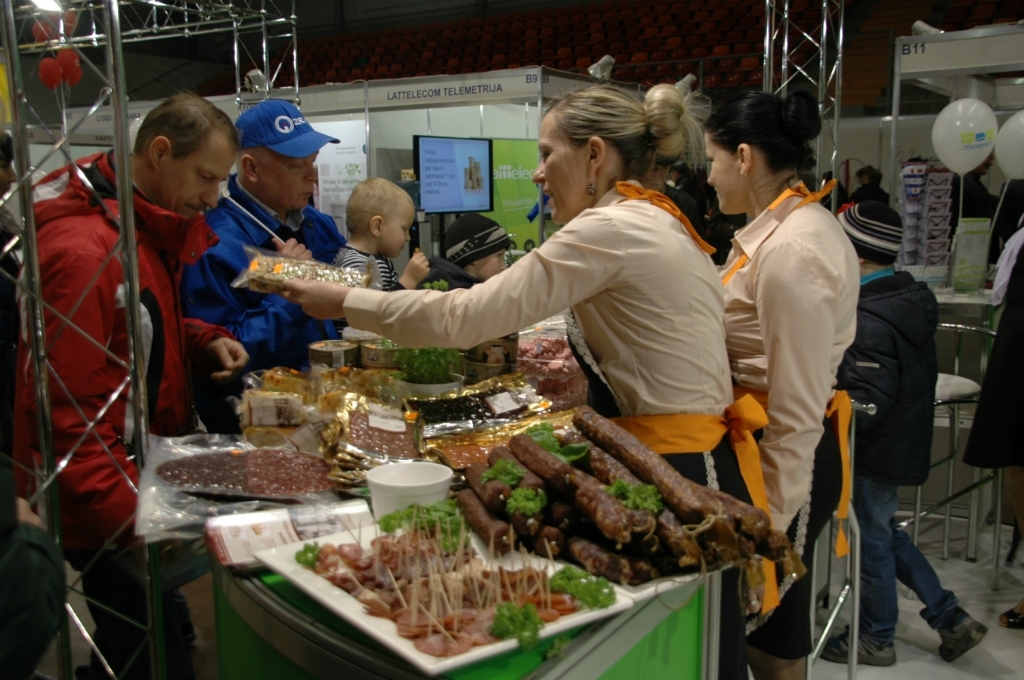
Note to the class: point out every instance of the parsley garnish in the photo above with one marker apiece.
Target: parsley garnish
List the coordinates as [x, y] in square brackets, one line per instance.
[445, 514]
[505, 471]
[637, 496]
[522, 623]
[527, 501]
[308, 555]
[544, 434]
[594, 592]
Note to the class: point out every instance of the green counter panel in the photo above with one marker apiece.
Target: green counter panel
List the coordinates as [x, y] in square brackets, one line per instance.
[671, 651]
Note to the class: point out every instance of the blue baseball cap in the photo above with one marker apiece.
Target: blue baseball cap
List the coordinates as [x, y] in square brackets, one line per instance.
[279, 126]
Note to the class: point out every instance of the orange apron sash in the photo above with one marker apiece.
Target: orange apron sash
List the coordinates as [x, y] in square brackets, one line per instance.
[697, 433]
[799, 190]
[840, 412]
[632, 193]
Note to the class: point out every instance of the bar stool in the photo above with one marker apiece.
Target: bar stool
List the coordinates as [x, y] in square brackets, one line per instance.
[951, 392]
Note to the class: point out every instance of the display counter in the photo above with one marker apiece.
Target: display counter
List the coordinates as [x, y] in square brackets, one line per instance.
[268, 629]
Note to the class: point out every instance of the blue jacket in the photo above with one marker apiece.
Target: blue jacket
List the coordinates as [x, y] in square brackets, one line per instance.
[892, 364]
[273, 331]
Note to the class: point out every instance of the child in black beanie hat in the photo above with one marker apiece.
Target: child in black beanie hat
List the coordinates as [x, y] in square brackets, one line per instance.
[474, 248]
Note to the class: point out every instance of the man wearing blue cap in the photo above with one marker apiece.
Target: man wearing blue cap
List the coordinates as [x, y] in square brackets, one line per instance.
[267, 207]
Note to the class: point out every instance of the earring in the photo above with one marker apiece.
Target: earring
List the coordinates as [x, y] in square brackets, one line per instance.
[591, 189]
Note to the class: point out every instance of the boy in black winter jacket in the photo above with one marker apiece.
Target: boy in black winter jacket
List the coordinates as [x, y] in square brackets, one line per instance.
[892, 364]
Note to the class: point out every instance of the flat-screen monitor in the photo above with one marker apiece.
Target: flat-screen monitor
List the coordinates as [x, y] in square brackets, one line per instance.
[454, 174]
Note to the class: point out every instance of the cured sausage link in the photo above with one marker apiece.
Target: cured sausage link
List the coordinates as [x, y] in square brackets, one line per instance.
[493, 531]
[678, 542]
[599, 561]
[752, 522]
[539, 460]
[529, 480]
[686, 498]
[549, 542]
[606, 468]
[494, 493]
[561, 515]
[608, 514]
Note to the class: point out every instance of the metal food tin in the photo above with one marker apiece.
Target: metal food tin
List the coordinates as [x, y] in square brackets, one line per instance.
[334, 353]
[375, 356]
[498, 351]
[476, 371]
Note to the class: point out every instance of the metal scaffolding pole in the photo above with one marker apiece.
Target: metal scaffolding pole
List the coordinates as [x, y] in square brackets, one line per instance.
[811, 58]
[109, 24]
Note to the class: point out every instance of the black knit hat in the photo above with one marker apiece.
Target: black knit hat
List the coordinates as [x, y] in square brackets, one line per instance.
[875, 230]
[473, 237]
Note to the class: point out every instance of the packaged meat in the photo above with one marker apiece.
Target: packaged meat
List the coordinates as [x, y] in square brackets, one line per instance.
[504, 399]
[274, 409]
[547, 361]
[256, 472]
[268, 271]
[284, 379]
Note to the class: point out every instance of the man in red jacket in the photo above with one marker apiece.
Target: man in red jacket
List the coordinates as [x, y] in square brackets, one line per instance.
[184, 149]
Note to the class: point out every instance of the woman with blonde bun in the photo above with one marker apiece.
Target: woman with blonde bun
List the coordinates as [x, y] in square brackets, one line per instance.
[791, 288]
[645, 301]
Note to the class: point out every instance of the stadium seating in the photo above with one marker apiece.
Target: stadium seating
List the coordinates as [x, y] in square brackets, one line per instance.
[657, 42]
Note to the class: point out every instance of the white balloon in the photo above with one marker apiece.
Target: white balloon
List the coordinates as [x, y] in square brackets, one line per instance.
[1010, 147]
[964, 134]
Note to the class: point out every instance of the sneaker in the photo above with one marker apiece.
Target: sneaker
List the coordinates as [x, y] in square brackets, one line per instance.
[869, 652]
[960, 633]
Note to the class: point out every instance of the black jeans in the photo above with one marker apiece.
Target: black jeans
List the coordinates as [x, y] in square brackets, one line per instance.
[108, 582]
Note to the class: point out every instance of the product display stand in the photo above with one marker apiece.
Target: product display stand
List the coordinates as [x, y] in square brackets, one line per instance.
[266, 629]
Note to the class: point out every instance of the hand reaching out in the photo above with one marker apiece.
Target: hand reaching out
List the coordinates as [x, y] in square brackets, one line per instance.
[293, 249]
[227, 357]
[319, 299]
[415, 271]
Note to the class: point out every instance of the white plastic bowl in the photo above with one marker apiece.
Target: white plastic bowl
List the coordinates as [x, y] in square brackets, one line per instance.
[397, 486]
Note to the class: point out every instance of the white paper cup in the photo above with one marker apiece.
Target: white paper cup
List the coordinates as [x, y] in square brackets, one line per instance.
[397, 486]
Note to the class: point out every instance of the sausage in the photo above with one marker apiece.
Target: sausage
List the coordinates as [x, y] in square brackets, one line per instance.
[526, 525]
[686, 498]
[678, 542]
[539, 460]
[493, 492]
[720, 544]
[529, 480]
[614, 520]
[750, 521]
[608, 470]
[644, 544]
[549, 542]
[643, 570]
[561, 515]
[494, 532]
[775, 546]
[598, 561]
[690, 501]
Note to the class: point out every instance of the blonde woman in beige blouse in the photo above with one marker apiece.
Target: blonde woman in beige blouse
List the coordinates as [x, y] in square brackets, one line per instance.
[646, 302]
[791, 287]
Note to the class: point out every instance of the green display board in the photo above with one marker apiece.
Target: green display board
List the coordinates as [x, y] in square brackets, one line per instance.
[515, 194]
[671, 651]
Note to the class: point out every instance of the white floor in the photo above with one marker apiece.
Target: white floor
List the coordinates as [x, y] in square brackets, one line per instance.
[999, 655]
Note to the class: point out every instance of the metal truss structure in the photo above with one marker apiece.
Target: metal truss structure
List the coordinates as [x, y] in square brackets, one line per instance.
[798, 56]
[108, 24]
[812, 59]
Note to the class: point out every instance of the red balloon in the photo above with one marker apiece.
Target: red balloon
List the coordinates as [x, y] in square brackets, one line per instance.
[73, 75]
[69, 60]
[42, 32]
[70, 22]
[50, 72]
